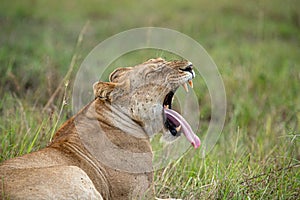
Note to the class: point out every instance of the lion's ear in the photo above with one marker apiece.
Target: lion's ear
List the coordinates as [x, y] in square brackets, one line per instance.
[118, 73]
[103, 90]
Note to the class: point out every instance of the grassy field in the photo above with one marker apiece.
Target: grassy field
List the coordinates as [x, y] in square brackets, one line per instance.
[255, 44]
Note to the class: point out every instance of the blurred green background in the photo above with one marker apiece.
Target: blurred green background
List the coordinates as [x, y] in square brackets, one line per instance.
[255, 44]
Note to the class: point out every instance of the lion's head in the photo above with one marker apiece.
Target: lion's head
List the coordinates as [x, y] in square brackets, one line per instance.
[145, 93]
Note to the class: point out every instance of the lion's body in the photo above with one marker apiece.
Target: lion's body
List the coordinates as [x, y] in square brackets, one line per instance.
[104, 151]
[66, 170]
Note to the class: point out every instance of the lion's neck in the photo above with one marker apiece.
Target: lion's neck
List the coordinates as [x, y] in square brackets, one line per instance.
[117, 117]
[110, 136]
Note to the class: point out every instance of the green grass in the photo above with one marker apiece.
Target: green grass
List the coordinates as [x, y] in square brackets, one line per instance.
[255, 44]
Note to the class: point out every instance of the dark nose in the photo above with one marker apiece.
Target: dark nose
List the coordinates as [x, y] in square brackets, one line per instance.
[188, 68]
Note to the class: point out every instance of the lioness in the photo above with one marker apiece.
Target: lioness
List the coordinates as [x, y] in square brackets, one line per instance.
[104, 151]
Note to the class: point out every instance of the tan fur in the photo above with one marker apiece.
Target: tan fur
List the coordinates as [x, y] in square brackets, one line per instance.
[80, 162]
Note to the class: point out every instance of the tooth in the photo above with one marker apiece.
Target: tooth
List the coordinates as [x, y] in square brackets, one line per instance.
[191, 83]
[178, 128]
[185, 87]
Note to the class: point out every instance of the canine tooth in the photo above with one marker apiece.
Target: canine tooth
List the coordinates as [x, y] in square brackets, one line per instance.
[191, 83]
[185, 87]
[178, 128]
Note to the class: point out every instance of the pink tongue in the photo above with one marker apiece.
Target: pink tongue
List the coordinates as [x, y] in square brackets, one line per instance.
[177, 119]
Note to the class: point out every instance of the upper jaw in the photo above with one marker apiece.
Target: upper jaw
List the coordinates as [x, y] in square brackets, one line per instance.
[189, 75]
[184, 81]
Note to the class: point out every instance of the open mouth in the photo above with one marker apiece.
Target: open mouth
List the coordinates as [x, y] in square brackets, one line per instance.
[175, 123]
